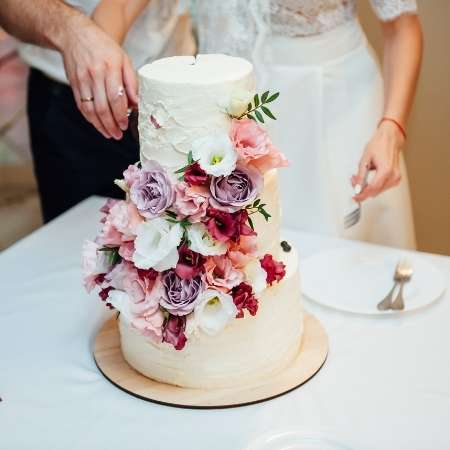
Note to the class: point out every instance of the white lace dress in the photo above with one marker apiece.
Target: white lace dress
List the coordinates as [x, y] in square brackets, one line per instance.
[315, 53]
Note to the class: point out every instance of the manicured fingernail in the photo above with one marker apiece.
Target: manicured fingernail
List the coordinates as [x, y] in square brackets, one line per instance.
[123, 126]
[358, 189]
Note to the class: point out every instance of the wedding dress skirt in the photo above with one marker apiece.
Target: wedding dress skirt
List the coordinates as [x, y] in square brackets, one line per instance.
[330, 103]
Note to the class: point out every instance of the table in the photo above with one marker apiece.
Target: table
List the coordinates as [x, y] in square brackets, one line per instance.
[386, 384]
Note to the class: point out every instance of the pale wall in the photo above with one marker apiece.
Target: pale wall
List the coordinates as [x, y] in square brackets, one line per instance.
[428, 148]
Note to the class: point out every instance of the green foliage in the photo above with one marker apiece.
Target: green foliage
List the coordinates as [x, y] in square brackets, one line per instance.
[257, 109]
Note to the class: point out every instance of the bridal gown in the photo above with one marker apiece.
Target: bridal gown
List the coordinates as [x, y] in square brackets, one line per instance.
[316, 54]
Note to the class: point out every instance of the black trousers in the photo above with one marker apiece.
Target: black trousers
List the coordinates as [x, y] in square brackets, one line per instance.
[72, 160]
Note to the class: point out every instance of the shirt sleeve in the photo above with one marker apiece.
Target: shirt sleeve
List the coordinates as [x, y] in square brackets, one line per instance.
[391, 9]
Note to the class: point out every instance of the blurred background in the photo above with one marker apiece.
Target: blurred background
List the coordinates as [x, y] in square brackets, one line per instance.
[427, 151]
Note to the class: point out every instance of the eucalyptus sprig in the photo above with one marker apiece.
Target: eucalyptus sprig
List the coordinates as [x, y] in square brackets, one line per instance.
[113, 254]
[260, 104]
[257, 207]
[183, 169]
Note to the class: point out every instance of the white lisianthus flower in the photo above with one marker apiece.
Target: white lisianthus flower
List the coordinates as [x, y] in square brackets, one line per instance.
[121, 301]
[214, 311]
[256, 276]
[215, 154]
[202, 242]
[156, 245]
[240, 98]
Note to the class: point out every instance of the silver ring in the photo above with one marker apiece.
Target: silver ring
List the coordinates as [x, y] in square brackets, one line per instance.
[87, 99]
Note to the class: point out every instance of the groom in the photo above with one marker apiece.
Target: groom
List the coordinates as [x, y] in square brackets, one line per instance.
[74, 159]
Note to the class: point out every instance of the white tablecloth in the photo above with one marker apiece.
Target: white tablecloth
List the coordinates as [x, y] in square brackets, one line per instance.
[386, 384]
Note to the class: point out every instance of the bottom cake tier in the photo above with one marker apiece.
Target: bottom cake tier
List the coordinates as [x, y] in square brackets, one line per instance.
[248, 349]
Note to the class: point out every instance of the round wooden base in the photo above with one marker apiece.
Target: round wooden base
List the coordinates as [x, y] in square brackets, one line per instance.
[310, 359]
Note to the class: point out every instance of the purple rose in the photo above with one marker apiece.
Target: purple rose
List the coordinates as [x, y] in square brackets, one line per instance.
[180, 296]
[152, 192]
[173, 332]
[232, 192]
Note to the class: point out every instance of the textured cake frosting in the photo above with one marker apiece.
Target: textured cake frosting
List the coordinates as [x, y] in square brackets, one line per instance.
[248, 350]
[185, 99]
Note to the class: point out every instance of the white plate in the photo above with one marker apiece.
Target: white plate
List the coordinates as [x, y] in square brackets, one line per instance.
[355, 281]
[295, 440]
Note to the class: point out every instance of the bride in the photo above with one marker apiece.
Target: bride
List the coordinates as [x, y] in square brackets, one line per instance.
[338, 116]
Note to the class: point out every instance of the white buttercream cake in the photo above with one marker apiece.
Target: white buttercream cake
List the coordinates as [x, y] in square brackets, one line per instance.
[185, 98]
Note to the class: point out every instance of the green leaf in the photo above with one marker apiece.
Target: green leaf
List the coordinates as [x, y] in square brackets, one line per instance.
[190, 157]
[273, 97]
[264, 97]
[251, 117]
[250, 222]
[257, 202]
[249, 107]
[256, 100]
[268, 112]
[182, 170]
[259, 116]
[171, 214]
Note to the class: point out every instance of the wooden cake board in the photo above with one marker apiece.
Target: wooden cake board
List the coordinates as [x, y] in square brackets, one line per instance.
[311, 357]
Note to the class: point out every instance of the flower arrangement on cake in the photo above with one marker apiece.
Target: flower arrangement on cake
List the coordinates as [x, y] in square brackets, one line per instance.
[179, 255]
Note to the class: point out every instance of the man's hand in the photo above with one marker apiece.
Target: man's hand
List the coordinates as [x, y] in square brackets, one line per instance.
[97, 68]
[101, 75]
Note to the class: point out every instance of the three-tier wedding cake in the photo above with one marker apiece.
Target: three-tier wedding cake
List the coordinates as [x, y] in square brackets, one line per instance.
[192, 261]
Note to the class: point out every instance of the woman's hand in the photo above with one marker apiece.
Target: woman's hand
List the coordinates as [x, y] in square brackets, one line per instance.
[101, 76]
[381, 154]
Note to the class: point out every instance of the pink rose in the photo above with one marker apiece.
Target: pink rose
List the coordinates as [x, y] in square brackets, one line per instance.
[126, 250]
[109, 236]
[94, 264]
[150, 323]
[125, 217]
[221, 274]
[131, 175]
[190, 202]
[242, 252]
[254, 146]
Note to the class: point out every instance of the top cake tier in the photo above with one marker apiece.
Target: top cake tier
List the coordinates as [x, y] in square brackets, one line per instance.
[184, 98]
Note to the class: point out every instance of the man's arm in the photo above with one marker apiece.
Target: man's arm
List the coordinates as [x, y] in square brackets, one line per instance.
[96, 66]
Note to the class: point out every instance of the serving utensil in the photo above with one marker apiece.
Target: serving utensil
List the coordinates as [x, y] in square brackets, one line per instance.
[404, 275]
[354, 216]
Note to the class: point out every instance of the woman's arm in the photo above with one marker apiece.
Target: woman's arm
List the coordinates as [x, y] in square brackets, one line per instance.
[401, 65]
[115, 17]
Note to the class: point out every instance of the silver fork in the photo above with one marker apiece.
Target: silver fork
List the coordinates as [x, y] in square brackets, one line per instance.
[386, 303]
[405, 274]
[353, 217]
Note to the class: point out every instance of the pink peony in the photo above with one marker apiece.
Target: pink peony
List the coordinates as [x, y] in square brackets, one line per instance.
[190, 263]
[221, 274]
[254, 146]
[190, 202]
[174, 329]
[275, 270]
[150, 323]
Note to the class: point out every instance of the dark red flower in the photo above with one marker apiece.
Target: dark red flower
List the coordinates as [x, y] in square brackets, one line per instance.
[103, 294]
[147, 274]
[242, 219]
[190, 263]
[244, 298]
[195, 175]
[173, 332]
[221, 225]
[99, 279]
[275, 270]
